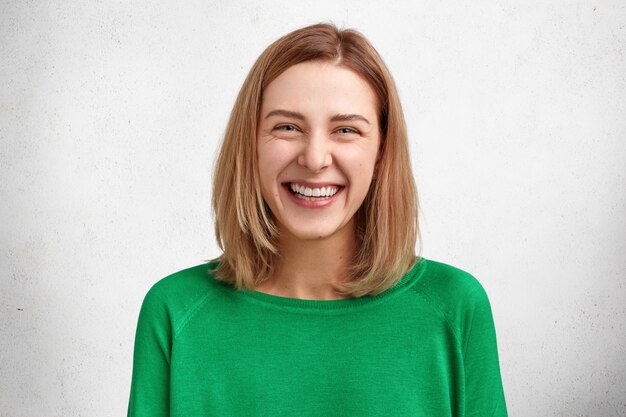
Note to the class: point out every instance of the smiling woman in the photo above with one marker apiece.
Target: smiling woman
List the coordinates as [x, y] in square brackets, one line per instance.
[318, 305]
[322, 145]
[319, 105]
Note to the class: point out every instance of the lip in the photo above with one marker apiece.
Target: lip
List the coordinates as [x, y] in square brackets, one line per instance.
[313, 184]
[312, 203]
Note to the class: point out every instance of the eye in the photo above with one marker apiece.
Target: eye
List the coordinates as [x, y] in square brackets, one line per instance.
[286, 128]
[347, 130]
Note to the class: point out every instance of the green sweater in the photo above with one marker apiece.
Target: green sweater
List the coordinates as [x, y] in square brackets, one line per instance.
[425, 347]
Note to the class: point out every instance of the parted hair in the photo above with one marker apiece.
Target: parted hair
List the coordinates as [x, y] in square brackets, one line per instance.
[387, 221]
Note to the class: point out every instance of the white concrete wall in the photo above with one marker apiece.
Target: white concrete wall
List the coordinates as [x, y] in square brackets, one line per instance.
[111, 113]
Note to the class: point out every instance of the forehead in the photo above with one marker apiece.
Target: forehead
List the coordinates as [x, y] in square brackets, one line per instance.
[320, 87]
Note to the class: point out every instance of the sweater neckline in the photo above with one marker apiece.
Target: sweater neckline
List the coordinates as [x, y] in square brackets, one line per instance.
[305, 305]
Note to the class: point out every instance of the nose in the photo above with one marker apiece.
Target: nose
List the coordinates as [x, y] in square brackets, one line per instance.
[316, 153]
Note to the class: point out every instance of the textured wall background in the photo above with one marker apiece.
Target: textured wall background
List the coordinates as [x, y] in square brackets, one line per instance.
[111, 113]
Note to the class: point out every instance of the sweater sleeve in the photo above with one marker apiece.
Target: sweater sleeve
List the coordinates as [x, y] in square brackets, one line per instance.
[149, 392]
[484, 393]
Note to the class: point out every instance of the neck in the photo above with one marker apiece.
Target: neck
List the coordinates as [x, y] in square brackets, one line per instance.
[307, 269]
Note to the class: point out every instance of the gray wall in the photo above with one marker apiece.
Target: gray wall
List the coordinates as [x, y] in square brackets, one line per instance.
[111, 114]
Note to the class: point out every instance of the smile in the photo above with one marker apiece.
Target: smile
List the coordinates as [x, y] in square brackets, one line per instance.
[302, 191]
[312, 197]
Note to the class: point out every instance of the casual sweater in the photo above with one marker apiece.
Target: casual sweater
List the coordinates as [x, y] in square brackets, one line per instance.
[425, 347]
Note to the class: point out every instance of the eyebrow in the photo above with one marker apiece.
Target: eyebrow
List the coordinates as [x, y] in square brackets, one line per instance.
[300, 116]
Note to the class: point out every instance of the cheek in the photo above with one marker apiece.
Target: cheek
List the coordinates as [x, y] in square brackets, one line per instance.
[273, 158]
[275, 151]
[360, 162]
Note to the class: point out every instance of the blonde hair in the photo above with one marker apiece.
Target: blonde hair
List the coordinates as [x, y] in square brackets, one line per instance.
[387, 221]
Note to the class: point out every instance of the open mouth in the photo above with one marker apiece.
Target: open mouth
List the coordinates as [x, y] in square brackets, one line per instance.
[312, 193]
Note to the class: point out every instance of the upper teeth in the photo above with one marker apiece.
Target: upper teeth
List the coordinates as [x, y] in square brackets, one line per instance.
[314, 192]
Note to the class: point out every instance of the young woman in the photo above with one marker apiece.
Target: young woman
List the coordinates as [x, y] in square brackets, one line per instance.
[318, 305]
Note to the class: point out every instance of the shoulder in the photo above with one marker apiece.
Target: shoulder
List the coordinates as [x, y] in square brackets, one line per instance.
[456, 294]
[184, 283]
[449, 284]
[175, 297]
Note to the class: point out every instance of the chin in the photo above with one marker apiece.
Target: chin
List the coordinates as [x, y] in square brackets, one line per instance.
[310, 231]
[311, 234]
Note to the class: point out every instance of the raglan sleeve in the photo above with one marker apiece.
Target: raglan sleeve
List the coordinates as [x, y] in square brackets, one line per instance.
[149, 390]
[484, 393]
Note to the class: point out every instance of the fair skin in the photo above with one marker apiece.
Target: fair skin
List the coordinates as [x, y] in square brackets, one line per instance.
[317, 143]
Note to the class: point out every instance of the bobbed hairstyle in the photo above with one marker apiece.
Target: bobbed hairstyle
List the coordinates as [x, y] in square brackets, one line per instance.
[387, 221]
